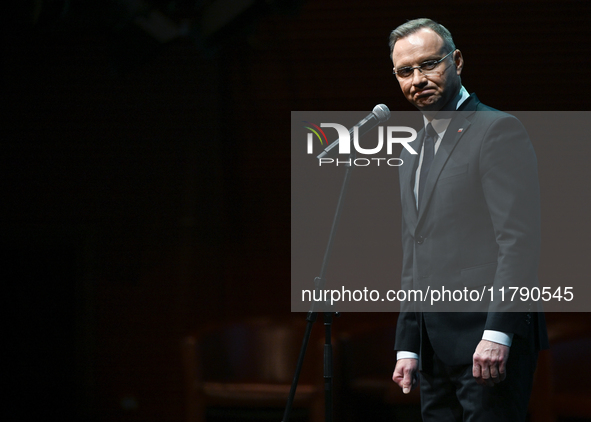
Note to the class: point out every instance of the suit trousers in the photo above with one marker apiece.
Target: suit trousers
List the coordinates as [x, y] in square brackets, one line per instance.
[451, 394]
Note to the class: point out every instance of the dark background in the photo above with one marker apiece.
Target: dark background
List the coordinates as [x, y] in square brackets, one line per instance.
[145, 186]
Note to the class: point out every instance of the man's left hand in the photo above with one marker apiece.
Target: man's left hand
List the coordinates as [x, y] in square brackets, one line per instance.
[490, 363]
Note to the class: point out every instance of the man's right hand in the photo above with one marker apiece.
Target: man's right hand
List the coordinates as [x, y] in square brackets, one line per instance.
[405, 374]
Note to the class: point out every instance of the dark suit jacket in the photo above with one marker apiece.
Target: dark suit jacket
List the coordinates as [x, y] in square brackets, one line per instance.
[478, 227]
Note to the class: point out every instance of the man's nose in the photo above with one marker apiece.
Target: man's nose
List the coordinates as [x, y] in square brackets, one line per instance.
[418, 78]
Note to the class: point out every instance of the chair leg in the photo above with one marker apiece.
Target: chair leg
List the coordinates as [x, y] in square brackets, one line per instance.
[194, 408]
[541, 404]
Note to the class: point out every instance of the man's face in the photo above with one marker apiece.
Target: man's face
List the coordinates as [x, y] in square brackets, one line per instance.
[428, 92]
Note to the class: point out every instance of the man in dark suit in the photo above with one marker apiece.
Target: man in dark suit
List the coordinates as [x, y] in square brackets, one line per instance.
[470, 219]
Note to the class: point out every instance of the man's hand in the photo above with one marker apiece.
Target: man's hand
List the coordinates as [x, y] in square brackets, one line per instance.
[490, 363]
[405, 374]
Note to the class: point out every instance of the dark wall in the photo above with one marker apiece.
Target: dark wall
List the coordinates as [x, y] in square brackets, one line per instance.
[145, 185]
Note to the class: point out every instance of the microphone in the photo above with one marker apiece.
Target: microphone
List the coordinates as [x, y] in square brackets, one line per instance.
[379, 114]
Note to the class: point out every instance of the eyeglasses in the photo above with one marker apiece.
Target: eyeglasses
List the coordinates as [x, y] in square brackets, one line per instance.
[426, 68]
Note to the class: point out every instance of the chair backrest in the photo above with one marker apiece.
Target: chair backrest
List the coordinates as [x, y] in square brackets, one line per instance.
[261, 350]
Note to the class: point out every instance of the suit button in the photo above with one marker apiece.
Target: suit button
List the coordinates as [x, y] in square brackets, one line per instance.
[420, 239]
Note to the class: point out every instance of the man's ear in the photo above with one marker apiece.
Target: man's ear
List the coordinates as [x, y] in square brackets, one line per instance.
[459, 61]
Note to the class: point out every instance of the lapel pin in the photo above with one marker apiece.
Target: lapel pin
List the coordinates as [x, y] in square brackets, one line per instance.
[460, 129]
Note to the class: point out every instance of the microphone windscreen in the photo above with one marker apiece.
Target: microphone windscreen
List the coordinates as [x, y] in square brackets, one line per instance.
[382, 112]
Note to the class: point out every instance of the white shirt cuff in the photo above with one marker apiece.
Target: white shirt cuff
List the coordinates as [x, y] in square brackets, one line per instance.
[498, 337]
[406, 355]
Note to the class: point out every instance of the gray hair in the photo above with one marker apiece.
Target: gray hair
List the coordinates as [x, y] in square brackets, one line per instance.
[415, 25]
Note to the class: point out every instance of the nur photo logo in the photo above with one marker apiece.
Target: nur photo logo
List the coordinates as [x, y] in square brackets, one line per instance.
[388, 136]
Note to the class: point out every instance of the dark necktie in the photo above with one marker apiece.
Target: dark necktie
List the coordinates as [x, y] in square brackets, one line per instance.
[428, 154]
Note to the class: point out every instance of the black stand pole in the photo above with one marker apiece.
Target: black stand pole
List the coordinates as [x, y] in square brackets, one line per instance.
[319, 283]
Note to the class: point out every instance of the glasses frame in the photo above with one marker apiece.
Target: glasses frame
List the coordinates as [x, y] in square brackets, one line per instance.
[435, 63]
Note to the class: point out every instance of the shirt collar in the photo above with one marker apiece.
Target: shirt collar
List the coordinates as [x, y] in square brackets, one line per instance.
[440, 125]
[463, 96]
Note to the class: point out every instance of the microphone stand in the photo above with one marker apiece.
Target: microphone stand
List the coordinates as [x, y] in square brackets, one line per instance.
[319, 283]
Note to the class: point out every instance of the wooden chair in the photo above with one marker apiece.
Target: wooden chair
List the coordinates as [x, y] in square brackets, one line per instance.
[561, 384]
[250, 365]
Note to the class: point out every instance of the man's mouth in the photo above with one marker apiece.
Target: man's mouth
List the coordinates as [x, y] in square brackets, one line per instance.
[424, 93]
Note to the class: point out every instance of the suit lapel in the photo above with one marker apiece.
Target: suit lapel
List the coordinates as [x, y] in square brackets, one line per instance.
[456, 129]
[448, 143]
[452, 136]
[408, 170]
